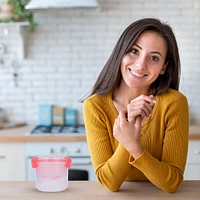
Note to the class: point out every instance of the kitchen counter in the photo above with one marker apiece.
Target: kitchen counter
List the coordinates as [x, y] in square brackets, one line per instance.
[20, 135]
[194, 133]
[92, 190]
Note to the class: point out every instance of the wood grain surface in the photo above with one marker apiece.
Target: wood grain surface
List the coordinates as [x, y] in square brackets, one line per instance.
[92, 190]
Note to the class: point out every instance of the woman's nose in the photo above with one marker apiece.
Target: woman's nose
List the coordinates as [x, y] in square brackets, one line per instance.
[141, 64]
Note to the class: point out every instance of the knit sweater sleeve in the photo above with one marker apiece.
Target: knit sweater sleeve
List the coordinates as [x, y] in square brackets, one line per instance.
[111, 167]
[167, 173]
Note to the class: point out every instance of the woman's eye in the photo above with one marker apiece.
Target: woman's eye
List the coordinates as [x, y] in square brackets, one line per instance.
[134, 51]
[154, 58]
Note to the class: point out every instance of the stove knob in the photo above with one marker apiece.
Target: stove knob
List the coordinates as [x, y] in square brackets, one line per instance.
[63, 150]
[78, 151]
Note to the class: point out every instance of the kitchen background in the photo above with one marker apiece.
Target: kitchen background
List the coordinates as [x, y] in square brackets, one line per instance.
[59, 62]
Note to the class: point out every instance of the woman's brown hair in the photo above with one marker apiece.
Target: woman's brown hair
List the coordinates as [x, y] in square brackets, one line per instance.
[110, 76]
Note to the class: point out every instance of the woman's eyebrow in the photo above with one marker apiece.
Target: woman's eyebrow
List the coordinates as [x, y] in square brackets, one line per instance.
[157, 52]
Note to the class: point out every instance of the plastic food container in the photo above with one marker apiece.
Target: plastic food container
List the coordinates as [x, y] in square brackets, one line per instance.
[51, 173]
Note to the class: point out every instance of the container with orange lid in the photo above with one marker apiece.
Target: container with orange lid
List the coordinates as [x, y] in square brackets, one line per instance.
[51, 173]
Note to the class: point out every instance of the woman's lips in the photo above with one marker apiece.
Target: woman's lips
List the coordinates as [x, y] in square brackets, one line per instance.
[137, 74]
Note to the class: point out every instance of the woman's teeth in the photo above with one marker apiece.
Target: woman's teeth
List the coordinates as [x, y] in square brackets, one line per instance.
[136, 74]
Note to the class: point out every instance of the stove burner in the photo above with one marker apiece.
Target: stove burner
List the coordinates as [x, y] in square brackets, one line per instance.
[57, 129]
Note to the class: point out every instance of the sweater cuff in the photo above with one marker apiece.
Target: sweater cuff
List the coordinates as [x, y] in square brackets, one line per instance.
[140, 161]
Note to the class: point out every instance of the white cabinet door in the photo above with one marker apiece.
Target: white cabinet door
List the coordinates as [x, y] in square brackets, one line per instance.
[12, 162]
[192, 171]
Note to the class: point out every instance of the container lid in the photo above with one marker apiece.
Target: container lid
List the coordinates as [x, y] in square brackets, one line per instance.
[51, 159]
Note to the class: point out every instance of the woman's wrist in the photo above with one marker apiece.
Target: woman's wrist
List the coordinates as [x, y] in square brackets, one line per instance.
[136, 151]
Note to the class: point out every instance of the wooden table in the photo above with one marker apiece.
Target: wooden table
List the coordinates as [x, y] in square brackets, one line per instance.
[92, 190]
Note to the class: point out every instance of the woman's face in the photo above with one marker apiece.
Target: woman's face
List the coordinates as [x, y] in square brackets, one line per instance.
[145, 62]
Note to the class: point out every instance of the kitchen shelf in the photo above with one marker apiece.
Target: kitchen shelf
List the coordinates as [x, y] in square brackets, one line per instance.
[14, 23]
[21, 31]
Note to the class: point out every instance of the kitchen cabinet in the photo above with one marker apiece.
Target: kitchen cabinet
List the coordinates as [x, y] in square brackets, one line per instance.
[192, 171]
[12, 161]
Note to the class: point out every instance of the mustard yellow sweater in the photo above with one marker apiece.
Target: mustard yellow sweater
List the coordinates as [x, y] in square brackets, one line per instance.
[164, 139]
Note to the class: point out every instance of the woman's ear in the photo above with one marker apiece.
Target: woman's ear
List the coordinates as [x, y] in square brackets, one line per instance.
[162, 71]
[163, 68]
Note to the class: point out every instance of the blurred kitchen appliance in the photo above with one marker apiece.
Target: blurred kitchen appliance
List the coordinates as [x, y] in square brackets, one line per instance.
[58, 130]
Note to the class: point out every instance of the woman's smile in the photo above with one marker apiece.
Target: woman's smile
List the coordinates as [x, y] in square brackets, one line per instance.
[140, 75]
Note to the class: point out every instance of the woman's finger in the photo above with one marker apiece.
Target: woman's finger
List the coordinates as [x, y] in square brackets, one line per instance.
[149, 99]
[123, 115]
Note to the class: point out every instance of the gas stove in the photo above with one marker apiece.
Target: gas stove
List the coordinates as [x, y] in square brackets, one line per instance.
[58, 130]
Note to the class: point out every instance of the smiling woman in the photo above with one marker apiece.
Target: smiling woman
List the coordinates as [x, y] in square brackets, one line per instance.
[136, 120]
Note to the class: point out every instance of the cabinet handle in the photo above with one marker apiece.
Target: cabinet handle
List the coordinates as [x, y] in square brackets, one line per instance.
[52, 151]
[2, 156]
[197, 151]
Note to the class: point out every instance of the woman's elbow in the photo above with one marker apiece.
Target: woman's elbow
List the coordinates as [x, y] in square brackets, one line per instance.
[111, 188]
[109, 185]
[172, 188]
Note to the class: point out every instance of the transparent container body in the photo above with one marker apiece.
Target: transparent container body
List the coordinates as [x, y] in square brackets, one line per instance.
[51, 174]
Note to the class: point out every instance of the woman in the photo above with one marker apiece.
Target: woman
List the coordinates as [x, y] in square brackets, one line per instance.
[137, 122]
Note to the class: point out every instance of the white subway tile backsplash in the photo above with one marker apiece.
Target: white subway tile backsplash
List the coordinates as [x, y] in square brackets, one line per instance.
[70, 47]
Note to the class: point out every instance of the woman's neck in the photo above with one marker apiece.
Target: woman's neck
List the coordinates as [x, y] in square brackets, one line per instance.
[124, 94]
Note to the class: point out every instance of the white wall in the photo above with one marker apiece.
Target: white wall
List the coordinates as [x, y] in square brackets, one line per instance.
[69, 48]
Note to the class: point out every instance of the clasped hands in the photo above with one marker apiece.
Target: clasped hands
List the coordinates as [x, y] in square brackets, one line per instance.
[127, 126]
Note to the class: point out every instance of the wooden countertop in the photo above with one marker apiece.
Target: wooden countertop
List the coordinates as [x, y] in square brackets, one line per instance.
[92, 190]
[20, 135]
[194, 132]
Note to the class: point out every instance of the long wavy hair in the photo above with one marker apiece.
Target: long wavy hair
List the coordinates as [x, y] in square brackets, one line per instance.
[110, 76]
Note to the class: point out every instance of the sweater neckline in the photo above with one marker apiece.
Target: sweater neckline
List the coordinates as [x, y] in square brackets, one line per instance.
[112, 106]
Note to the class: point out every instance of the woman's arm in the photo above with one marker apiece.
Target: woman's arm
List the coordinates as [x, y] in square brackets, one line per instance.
[167, 173]
[111, 167]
